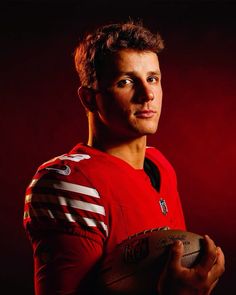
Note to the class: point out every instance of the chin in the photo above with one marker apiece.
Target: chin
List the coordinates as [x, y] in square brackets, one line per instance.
[150, 132]
[146, 130]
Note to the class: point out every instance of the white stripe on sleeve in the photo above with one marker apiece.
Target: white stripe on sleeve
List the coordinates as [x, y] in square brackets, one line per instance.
[67, 186]
[68, 202]
[92, 222]
[40, 212]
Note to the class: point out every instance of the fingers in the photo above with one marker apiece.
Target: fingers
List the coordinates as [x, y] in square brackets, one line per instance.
[220, 259]
[210, 255]
[219, 267]
[171, 269]
[212, 264]
[208, 292]
[201, 278]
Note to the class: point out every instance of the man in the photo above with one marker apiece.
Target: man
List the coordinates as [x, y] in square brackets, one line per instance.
[80, 205]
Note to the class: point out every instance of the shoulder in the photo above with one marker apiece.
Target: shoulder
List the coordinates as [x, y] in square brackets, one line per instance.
[76, 155]
[62, 197]
[79, 160]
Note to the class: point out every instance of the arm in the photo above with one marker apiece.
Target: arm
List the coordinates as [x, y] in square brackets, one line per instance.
[67, 223]
[199, 280]
[63, 263]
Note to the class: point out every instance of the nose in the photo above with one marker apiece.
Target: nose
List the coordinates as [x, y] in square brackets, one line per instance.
[145, 93]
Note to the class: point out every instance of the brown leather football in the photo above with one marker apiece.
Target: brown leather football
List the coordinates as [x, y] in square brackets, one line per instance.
[133, 267]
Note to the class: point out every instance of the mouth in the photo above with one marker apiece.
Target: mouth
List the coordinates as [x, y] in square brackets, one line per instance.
[145, 114]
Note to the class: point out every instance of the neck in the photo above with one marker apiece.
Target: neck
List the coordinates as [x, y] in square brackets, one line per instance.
[131, 151]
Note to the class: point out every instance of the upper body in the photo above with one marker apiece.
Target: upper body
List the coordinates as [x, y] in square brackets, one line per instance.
[100, 198]
[121, 91]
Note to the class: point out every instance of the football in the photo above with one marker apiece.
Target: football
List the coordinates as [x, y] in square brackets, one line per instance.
[133, 266]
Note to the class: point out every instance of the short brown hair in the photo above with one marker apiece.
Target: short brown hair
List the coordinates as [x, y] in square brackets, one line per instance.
[95, 47]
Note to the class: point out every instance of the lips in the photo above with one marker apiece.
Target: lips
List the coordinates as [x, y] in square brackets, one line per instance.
[145, 114]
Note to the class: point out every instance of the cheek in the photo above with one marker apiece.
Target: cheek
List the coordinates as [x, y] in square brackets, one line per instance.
[159, 98]
[160, 103]
[104, 104]
[111, 106]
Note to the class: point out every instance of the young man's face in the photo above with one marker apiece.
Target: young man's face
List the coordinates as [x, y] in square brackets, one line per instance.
[130, 94]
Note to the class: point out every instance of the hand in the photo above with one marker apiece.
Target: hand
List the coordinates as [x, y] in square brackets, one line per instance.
[199, 280]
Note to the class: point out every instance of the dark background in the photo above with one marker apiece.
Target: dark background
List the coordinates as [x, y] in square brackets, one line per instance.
[41, 116]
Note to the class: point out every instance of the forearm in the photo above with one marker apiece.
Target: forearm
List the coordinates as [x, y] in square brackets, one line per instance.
[63, 264]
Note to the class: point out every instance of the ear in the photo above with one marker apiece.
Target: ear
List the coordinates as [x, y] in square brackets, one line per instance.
[88, 98]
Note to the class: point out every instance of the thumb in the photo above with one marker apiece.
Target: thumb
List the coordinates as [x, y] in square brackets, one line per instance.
[176, 253]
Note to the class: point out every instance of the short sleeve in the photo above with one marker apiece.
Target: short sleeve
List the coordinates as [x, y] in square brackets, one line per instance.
[60, 198]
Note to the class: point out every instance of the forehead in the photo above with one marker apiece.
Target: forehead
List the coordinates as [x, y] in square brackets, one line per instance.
[128, 58]
[130, 61]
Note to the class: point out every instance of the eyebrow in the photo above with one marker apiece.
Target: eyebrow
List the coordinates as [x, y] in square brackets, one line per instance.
[154, 73]
[132, 73]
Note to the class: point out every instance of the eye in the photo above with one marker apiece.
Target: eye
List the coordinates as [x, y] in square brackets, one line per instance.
[124, 82]
[153, 79]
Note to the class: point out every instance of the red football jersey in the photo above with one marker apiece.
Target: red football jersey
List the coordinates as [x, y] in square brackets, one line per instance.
[101, 200]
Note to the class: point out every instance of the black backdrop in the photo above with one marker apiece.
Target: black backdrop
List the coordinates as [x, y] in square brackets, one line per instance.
[41, 116]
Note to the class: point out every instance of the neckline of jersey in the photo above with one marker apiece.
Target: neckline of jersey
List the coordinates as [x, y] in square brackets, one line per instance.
[113, 158]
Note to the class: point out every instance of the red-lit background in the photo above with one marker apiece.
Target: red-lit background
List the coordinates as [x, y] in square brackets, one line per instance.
[41, 116]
